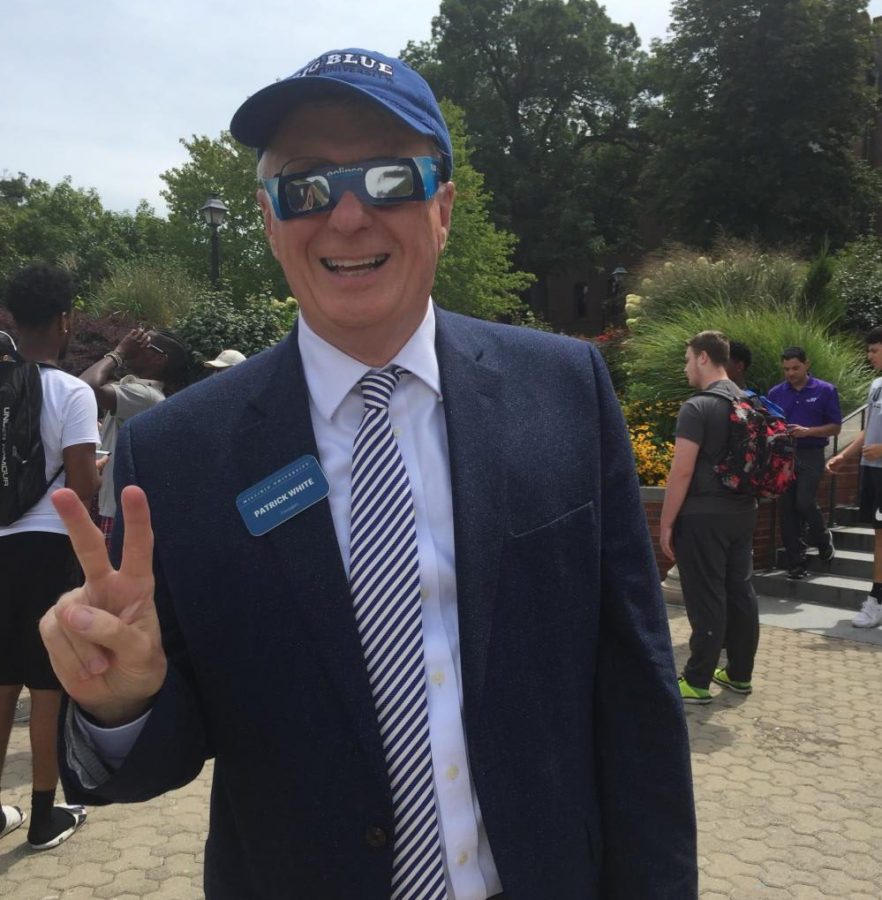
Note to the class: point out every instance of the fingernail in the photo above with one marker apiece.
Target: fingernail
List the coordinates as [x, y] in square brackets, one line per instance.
[81, 618]
[97, 665]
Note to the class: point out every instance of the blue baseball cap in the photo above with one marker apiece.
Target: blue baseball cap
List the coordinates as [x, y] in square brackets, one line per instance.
[389, 83]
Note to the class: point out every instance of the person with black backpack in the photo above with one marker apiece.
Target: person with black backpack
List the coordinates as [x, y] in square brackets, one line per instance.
[709, 523]
[48, 434]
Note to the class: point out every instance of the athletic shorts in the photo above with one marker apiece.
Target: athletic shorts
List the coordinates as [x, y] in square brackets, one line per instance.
[37, 568]
[871, 496]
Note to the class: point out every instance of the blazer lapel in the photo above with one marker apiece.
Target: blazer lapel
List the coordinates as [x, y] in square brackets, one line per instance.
[276, 430]
[475, 425]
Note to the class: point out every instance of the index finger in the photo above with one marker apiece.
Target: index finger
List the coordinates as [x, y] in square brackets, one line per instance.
[137, 553]
[85, 536]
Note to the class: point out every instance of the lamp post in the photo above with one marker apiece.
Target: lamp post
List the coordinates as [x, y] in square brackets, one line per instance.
[214, 212]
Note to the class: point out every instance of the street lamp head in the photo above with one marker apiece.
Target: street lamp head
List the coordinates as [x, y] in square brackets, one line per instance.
[214, 211]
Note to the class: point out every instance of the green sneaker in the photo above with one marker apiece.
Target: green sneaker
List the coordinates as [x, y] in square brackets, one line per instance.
[740, 687]
[693, 694]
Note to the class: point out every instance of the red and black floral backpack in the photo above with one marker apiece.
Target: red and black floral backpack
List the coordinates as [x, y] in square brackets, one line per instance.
[760, 454]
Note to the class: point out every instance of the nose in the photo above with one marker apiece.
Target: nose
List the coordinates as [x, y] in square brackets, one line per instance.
[350, 214]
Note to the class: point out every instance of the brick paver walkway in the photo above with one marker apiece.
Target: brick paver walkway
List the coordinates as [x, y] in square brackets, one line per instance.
[788, 787]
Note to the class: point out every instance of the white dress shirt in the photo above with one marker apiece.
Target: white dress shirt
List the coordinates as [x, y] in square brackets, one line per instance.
[417, 413]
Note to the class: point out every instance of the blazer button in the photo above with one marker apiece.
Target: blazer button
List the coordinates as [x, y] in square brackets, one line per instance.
[376, 837]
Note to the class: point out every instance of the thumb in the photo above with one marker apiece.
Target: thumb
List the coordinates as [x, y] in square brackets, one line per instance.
[97, 626]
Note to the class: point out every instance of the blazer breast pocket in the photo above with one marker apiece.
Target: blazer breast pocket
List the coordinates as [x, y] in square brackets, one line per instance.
[579, 516]
[556, 561]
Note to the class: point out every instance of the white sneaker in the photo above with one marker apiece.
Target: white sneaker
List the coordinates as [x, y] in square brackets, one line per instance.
[870, 615]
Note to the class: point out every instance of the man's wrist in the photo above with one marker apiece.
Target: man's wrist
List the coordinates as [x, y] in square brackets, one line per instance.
[116, 356]
[115, 715]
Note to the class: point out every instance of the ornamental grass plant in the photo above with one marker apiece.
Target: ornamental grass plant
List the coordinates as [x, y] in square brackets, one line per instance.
[736, 274]
[768, 301]
[656, 354]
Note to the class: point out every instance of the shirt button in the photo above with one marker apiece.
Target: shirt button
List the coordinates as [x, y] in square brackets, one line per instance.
[424, 592]
[375, 837]
[396, 431]
[452, 773]
[463, 858]
[438, 678]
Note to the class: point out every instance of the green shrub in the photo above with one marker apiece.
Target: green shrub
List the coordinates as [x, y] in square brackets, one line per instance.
[858, 282]
[155, 290]
[611, 344]
[214, 323]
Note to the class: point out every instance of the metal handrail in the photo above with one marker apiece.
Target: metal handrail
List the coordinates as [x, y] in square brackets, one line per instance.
[862, 412]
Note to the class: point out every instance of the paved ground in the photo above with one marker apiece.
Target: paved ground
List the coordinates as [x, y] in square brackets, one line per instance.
[788, 787]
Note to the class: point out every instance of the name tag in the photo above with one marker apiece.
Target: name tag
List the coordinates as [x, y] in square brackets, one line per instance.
[282, 495]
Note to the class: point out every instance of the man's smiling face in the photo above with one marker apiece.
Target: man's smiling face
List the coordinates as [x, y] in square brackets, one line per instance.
[361, 274]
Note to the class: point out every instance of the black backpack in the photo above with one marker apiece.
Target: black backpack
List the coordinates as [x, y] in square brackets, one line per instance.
[22, 458]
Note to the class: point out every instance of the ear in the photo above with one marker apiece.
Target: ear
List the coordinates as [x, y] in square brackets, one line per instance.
[269, 219]
[445, 196]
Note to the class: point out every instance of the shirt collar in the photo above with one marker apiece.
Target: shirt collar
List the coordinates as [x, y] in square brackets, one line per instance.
[812, 382]
[331, 374]
[134, 379]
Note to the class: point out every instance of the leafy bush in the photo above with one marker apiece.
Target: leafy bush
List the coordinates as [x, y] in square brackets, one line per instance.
[214, 323]
[154, 290]
[610, 343]
[91, 338]
[858, 282]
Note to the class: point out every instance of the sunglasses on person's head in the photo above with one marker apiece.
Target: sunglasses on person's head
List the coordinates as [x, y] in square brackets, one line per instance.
[378, 182]
[156, 349]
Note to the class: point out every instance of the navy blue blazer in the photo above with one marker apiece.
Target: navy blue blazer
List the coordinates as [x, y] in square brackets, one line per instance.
[575, 729]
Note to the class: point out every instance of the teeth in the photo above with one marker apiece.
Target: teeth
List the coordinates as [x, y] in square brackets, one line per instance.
[349, 265]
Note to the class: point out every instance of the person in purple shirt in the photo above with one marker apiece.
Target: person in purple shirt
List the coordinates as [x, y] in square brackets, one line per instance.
[813, 416]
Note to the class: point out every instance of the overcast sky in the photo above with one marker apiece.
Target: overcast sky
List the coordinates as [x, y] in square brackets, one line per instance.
[102, 90]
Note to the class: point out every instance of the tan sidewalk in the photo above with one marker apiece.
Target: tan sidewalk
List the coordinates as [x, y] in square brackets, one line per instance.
[788, 786]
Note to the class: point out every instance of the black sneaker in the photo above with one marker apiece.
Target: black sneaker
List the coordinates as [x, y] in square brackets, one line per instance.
[828, 551]
[796, 573]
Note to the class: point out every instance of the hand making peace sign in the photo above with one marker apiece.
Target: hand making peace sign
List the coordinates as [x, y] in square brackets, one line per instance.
[103, 638]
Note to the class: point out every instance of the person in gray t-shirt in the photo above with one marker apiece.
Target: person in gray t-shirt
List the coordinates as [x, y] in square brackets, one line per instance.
[868, 446]
[708, 529]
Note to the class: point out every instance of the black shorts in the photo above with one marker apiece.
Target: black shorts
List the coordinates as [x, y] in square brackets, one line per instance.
[871, 496]
[37, 567]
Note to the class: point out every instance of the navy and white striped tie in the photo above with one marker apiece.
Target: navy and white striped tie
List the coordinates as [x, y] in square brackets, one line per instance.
[384, 579]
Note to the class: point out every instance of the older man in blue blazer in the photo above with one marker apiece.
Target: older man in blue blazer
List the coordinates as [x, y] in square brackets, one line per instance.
[394, 577]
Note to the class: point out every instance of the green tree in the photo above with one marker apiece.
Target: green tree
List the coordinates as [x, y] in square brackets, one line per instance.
[224, 167]
[69, 226]
[475, 274]
[762, 105]
[548, 88]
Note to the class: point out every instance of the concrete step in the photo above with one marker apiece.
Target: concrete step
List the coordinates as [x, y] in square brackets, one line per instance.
[849, 563]
[841, 591]
[846, 515]
[854, 537]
